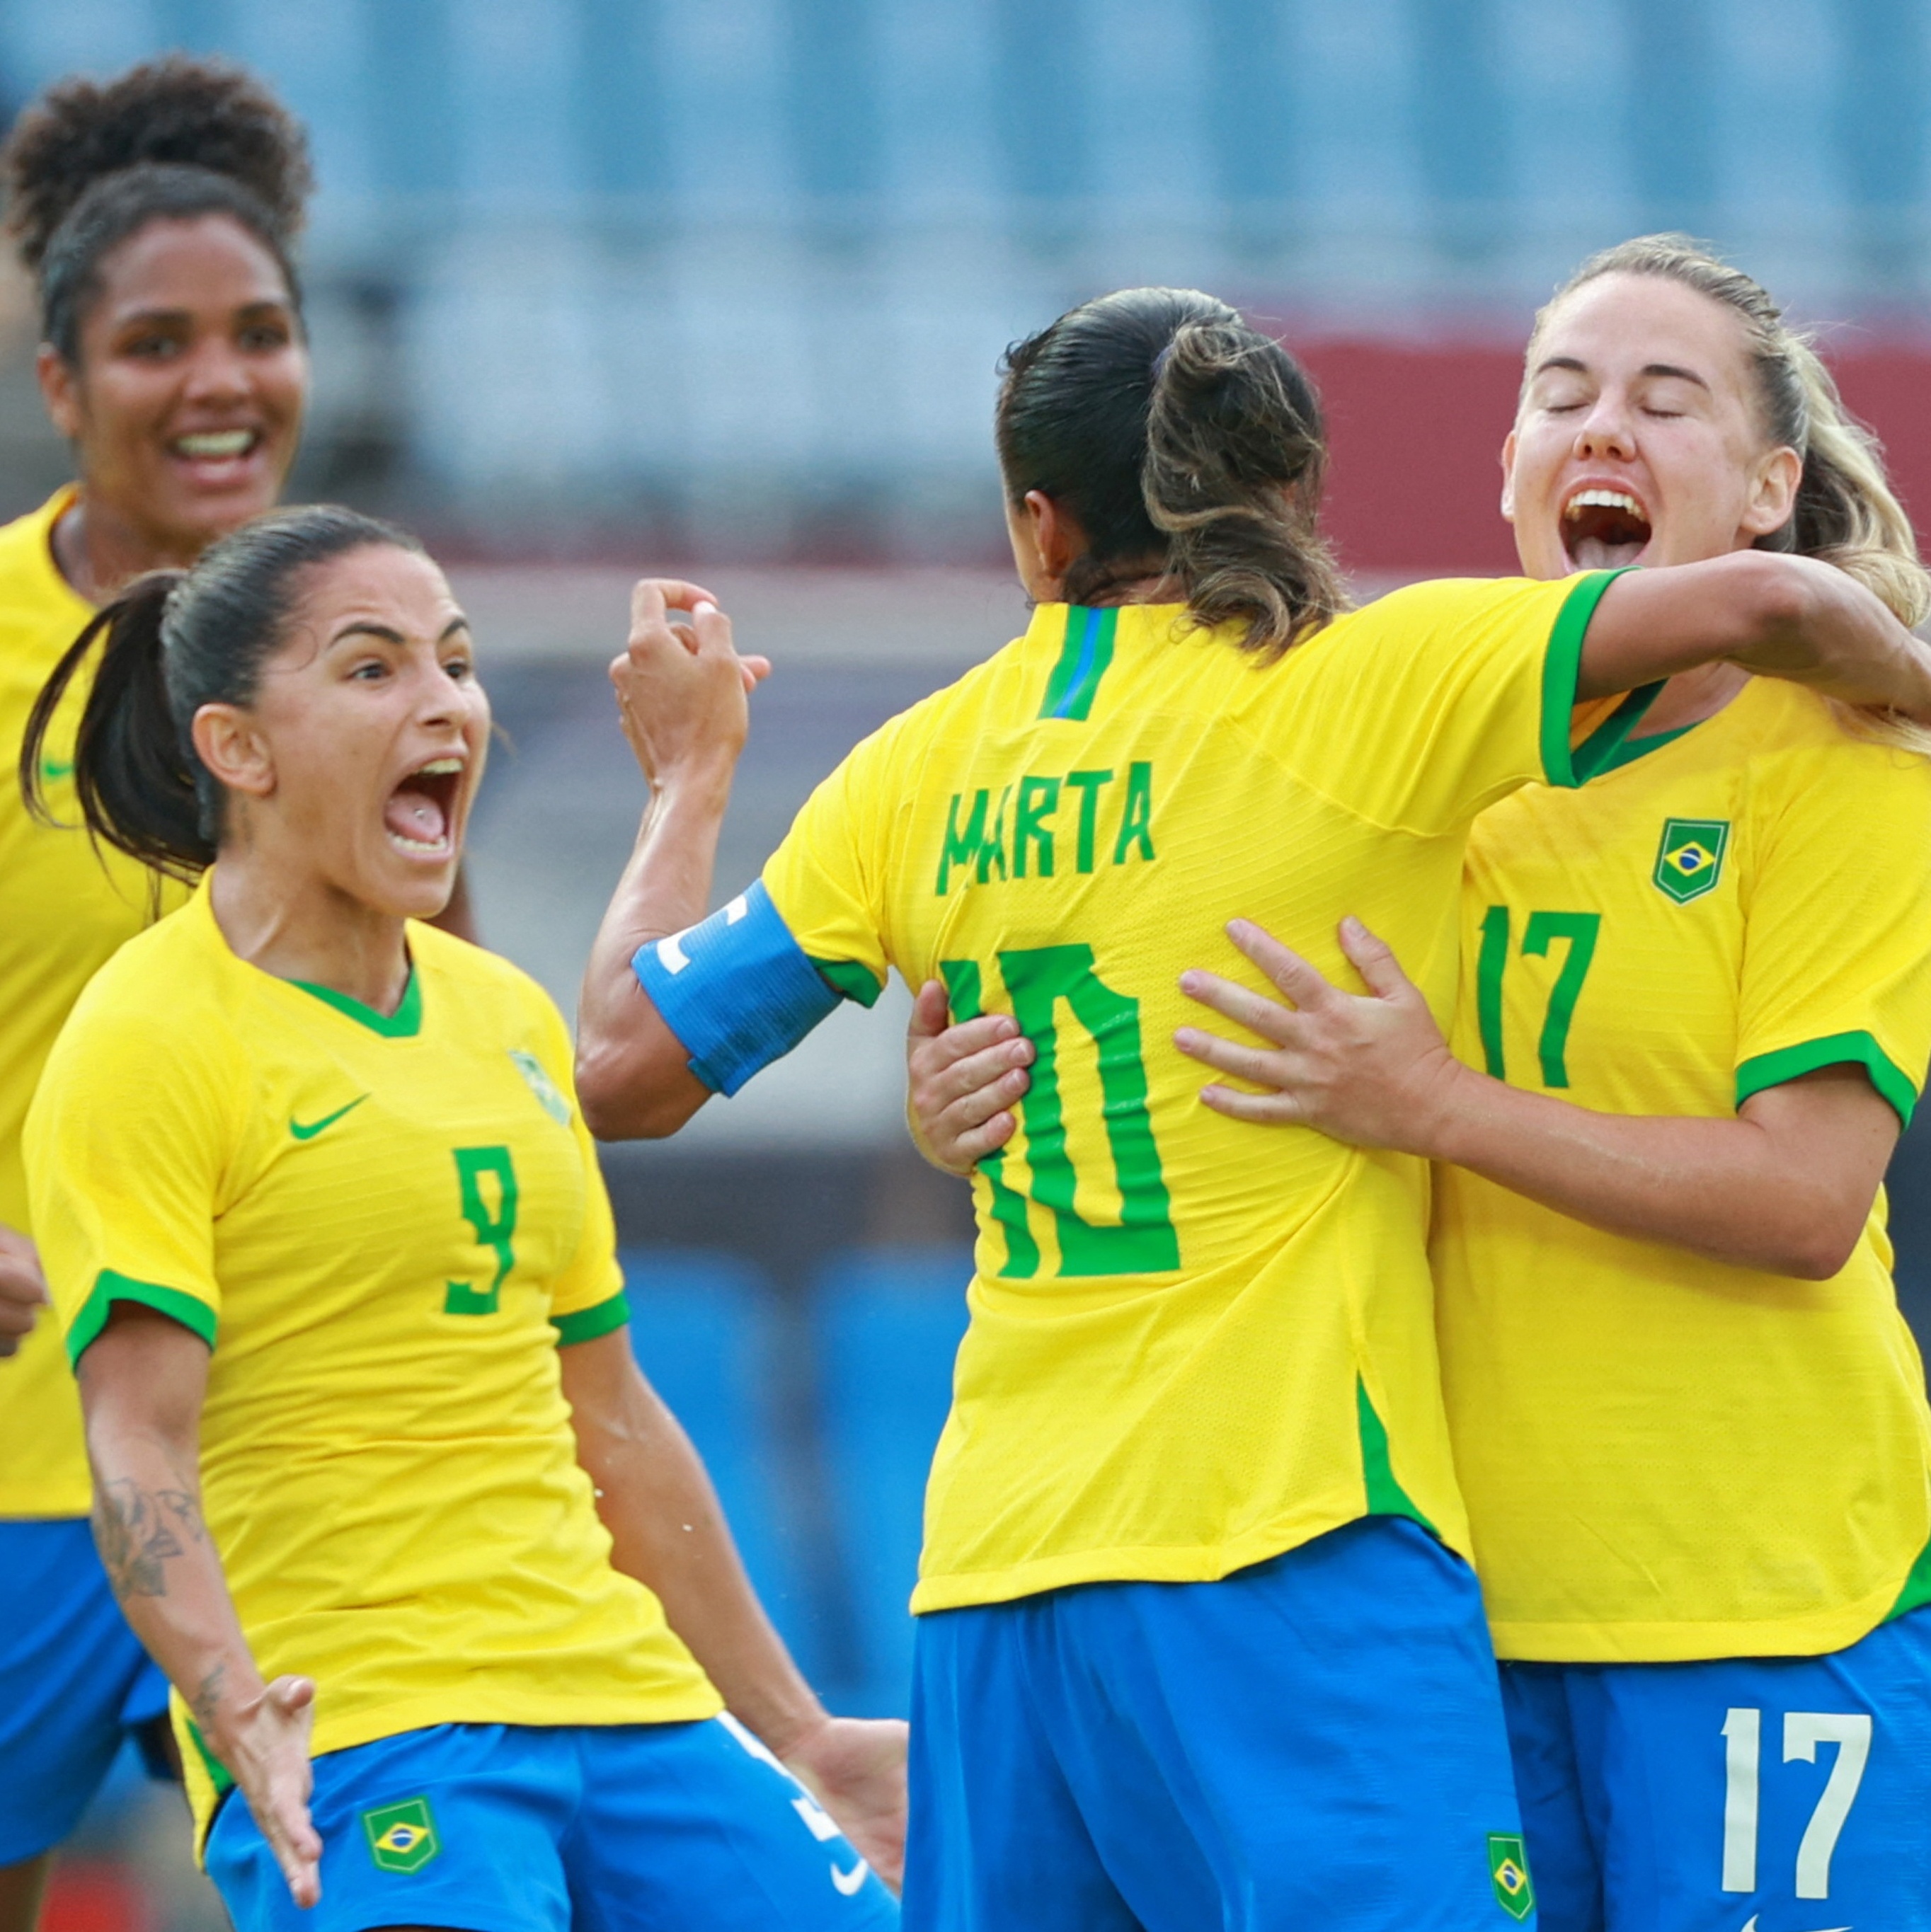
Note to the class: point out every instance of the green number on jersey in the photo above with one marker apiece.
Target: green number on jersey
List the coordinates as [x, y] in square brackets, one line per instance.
[1580, 930]
[1039, 980]
[495, 1229]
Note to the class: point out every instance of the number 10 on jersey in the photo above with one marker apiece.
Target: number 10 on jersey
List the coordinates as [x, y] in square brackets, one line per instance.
[1042, 982]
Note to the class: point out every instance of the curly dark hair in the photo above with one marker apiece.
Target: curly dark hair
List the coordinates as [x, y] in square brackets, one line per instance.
[89, 162]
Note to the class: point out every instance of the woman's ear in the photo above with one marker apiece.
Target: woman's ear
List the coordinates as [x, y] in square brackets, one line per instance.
[1773, 491]
[228, 742]
[59, 391]
[1509, 477]
[1057, 534]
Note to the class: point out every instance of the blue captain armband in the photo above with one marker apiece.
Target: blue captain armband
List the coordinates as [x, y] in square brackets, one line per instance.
[737, 989]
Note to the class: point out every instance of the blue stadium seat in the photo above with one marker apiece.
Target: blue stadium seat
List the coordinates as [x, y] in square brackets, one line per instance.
[889, 1321]
[705, 1328]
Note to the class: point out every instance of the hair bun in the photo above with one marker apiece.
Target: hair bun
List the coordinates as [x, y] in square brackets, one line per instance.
[200, 113]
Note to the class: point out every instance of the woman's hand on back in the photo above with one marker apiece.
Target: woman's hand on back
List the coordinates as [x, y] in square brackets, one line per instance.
[963, 1081]
[682, 689]
[1373, 1070]
[23, 1289]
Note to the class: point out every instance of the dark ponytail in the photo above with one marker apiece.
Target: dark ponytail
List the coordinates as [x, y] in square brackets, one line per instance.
[1188, 445]
[169, 643]
[126, 771]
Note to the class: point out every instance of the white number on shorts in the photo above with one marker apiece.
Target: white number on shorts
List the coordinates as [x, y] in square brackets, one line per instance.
[1744, 1731]
[1804, 1731]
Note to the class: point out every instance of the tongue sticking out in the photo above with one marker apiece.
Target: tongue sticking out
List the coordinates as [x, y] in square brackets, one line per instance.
[416, 816]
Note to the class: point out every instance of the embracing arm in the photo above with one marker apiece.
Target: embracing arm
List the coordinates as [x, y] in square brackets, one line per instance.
[669, 1531]
[681, 693]
[142, 1382]
[1785, 1186]
[1789, 617]
[23, 1289]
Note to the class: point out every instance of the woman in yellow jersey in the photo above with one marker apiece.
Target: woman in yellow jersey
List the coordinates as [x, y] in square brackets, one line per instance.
[1688, 1420]
[157, 212]
[1198, 1643]
[329, 1247]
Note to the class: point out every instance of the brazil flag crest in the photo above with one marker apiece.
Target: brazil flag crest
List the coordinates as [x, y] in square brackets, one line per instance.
[1509, 1872]
[402, 1837]
[1690, 860]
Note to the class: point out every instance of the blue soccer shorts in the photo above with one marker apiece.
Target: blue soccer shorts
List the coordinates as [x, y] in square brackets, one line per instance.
[501, 1827]
[1788, 1794]
[74, 1683]
[1315, 1742]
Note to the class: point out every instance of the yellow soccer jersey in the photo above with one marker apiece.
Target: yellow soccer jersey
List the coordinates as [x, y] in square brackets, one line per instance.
[1191, 1346]
[1666, 1457]
[382, 1226]
[65, 909]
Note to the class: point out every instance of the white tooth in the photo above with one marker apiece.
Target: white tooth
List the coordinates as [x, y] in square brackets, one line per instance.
[1605, 499]
[215, 442]
[436, 766]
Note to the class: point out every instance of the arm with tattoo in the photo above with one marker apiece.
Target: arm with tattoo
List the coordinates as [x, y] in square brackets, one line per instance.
[142, 1382]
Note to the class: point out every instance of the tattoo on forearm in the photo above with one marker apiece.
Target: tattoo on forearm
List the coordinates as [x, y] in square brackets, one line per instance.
[137, 1530]
[207, 1698]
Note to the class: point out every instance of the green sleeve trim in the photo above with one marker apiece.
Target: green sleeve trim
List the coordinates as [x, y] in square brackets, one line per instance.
[1562, 667]
[405, 1023]
[217, 1772]
[850, 979]
[1633, 748]
[1916, 1591]
[110, 1287]
[586, 1324]
[1837, 1049]
[1600, 750]
[1386, 1496]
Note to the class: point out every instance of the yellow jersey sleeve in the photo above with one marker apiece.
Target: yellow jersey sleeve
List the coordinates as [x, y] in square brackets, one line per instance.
[587, 1299]
[1432, 703]
[827, 880]
[127, 1146]
[1837, 961]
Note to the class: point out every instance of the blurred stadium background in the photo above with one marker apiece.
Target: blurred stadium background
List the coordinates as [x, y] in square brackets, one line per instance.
[603, 285]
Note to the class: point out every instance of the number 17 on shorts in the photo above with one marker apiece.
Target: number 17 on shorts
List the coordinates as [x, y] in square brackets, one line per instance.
[1803, 1732]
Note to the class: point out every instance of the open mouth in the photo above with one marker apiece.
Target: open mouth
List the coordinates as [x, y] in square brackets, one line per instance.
[420, 816]
[1604, 529]
[217, 445]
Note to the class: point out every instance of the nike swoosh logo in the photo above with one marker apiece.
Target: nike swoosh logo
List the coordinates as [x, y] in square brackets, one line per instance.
[55, 769]
[848, 1882]
[307, 1131]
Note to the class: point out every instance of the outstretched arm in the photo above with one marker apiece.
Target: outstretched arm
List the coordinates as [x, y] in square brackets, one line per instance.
[1788, 617]
[669, 1533]
[682, 692]
[142, 1382]
[1785, 1186]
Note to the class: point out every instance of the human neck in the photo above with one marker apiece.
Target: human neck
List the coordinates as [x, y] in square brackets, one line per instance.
[1154, 587]
[98, 551]
[1691, 696]
[1155, 590]
[290, 922]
